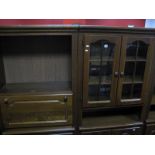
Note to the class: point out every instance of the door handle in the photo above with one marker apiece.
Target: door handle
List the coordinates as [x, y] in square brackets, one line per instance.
[6, 101]
[121, 74]
[116, 74]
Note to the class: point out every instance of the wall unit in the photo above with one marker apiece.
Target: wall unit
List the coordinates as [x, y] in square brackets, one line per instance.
[74, 79]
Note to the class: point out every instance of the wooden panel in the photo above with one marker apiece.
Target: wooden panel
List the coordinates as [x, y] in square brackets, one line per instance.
[99, 132]
[127, 131]
[133, 130]
[150, 129]
[24, 111]
[39, 131]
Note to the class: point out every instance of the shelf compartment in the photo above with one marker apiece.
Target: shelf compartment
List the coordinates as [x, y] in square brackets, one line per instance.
[110, 121]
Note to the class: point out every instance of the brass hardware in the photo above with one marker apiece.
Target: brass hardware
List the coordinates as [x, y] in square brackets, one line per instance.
[6, 100]
[86, 50]
[116, 74]
[65, 99]
[121, 74]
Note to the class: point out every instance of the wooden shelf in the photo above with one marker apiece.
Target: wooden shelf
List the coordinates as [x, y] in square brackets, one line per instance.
[137, 59]
[153, 100]
[98, 60]
[109, 121]
[56, 86]
[128, 80]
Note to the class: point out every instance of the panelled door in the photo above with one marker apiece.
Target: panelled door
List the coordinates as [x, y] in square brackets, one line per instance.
[134, 65]
[101, 64]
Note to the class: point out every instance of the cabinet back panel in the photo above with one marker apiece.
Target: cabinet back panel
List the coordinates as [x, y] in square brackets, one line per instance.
[36, 58]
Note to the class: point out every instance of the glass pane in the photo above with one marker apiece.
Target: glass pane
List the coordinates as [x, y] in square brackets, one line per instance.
[137, 89]
[126, 91]
[129, 71]
[93, 91]
[136, 53]
[140, 68]
[94, 68]
[104, 92]
[137, 50]
[101, 49]
[100, 70]
[131, 50]
[142, 50]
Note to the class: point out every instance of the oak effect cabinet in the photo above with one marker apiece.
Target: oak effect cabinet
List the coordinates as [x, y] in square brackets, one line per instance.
[75, 79]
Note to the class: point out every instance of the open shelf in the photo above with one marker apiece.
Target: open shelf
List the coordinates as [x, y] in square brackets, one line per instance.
[110, 118]
[36, 63]
[109, 121]
[58, 86]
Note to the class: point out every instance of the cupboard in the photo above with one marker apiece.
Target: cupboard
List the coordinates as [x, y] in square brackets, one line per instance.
[75, 79]
[115, 69]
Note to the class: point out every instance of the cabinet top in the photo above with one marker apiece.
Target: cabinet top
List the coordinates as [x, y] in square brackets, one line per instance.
[73, 28]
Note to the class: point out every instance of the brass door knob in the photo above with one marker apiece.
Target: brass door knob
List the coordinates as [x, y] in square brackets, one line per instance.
[116, 74]
[65, 99]
[121, 74]
[6, 100]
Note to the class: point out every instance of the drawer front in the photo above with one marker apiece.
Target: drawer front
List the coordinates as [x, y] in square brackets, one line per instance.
[36, 110]
[127, 131]
[150, 129]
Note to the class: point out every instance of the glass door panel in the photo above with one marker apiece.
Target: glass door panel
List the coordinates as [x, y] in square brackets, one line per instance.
[100, 70]
[132, 69]
[101, 63]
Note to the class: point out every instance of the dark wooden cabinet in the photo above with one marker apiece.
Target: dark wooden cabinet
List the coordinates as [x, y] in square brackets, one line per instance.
[60, 79]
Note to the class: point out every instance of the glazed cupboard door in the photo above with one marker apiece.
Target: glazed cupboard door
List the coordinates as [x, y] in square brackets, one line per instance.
[101, 62]
[134, 66]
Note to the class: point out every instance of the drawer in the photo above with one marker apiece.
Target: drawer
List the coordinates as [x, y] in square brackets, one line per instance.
[127, 131]
[36, 110]
[98, 132]
[150, 129]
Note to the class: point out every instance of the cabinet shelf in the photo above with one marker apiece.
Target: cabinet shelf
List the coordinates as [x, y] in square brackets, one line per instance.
[56, 87]
[128, 80]
[133, 59]
[99, 60]
[109, 121]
